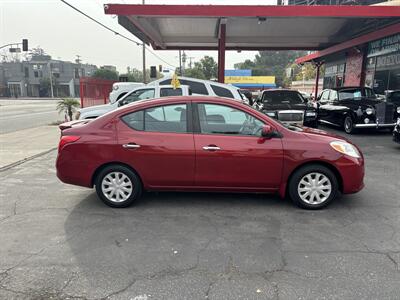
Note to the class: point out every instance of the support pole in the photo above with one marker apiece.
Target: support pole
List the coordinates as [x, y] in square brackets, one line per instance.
[144, 57]
[318, 65]
[221, 53]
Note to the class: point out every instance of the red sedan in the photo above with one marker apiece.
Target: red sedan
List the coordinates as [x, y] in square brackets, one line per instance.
[205, 144]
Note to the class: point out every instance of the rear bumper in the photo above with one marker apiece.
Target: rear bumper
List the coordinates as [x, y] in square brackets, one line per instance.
[375, 125]
[74, 172]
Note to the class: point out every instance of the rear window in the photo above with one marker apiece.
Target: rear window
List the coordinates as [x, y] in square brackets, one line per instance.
[166, 92]
[277, 97]
[195, 87]
[221, 92]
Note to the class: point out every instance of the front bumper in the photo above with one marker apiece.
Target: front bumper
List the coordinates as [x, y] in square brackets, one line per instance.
[375, 125]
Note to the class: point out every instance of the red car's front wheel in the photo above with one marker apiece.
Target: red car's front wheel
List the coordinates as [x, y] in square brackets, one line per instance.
[313, 186]
[118, 186]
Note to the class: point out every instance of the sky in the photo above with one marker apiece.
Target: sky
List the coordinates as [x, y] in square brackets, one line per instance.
[64, 33]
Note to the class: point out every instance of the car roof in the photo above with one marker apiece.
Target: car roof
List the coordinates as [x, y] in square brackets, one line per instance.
[349, 88]
[168, 77]
[280, 90]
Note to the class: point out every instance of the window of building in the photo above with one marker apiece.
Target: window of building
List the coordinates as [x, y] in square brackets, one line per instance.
[221, 92]
[26, 69]
[221, 119]
[36, 74]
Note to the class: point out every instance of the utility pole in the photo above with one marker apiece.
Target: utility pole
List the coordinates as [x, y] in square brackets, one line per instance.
[144, 58]
[190, 61]
[51, 79]
[183, 62]
[180, 62]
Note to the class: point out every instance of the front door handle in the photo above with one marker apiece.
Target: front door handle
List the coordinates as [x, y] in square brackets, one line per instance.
[131, 146]
[211, 148]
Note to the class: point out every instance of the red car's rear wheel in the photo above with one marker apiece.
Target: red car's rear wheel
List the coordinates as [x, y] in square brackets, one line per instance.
[118, 186]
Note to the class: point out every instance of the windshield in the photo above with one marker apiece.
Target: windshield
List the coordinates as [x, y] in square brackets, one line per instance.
[356, 93]
[278, 97]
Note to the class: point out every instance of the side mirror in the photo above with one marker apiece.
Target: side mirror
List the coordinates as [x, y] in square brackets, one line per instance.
[267, 132]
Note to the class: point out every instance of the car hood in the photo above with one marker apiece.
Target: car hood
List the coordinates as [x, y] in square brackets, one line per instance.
[312, 132]
[103, 107]
[285, 106]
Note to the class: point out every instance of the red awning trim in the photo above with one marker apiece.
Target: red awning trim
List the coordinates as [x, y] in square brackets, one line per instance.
[251, 10]
[318, 55]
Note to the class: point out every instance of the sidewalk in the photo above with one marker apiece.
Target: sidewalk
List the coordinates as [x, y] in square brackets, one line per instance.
[20, 145]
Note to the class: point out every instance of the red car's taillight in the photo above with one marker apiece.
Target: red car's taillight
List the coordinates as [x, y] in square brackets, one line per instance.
[66, 139]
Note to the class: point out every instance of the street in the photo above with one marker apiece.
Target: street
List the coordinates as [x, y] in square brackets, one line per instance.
[28, 113]
[60, 241]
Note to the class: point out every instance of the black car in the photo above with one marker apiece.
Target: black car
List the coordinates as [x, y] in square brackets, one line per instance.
[355, 107]
[396, 132]
[287, 106]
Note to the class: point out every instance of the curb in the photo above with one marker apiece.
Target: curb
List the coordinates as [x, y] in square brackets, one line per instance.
[14, 164]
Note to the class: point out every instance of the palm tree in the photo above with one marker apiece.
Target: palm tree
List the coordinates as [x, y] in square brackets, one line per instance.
[68, 106]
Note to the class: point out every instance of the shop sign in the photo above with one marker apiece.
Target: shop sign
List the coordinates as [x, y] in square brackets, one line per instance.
[388, 60]
[383, 46]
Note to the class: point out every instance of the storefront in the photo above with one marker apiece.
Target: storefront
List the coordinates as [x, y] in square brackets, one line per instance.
[371, 60]
[383, 64]
[334, 73]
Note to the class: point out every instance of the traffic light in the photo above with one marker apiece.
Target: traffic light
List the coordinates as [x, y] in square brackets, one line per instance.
[160, 68]
[24, 45]
[153, 72]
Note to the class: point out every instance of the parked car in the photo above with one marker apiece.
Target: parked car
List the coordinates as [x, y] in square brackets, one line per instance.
[396, 132]
[204, 87]
[140, 93]
[205, 144]
[394, 97]
[287, 106]
[355, 107]
[120, 89]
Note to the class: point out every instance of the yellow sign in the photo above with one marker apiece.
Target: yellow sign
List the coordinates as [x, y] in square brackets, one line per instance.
[175, 82]
[250, 79]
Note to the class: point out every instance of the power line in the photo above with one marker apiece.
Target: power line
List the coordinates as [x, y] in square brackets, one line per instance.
[115, 32]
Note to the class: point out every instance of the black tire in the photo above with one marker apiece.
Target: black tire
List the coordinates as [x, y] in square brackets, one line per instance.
[294, 185]
[134, 179]
[348, 125]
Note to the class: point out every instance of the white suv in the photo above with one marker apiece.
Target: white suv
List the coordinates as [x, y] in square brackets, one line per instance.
[139, 93]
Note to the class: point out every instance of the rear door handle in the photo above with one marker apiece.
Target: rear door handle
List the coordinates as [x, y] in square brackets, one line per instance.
[211, 148]
[131, 146]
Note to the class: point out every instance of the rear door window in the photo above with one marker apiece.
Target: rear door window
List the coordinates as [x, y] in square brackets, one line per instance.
[221, 92]
[167, 118]
[134, 120]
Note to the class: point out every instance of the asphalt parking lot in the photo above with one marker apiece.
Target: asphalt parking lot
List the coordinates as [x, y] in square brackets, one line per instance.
[61, 242]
